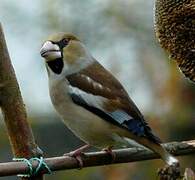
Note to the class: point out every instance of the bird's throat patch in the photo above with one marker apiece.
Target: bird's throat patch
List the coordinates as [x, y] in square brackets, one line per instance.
[56, 65]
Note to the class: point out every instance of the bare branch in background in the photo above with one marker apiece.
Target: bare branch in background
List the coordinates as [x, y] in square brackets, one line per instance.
[13, 109]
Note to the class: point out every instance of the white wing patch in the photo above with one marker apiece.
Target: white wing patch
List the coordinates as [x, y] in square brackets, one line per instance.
[98, 102]
[121, 116]
[90, 99]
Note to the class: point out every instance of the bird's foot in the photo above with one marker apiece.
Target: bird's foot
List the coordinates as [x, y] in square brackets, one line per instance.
[170, 172]
[77, 154]
[110, 152]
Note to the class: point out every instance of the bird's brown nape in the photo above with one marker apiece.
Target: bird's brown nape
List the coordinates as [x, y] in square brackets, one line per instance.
[175, 30]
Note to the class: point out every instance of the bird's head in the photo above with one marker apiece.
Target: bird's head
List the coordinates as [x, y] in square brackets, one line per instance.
[64, 52]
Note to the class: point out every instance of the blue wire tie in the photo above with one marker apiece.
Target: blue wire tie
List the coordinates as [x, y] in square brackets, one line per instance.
[33, 171]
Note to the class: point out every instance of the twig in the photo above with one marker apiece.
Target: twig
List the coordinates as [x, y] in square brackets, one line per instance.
[11, 103]
[99, 158]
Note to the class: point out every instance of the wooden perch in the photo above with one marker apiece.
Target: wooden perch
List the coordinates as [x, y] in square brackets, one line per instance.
[99, 158]
[12, 106]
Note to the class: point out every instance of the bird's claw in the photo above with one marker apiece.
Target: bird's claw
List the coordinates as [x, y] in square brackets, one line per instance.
[77, 154]
[170, 172]
[111, 153]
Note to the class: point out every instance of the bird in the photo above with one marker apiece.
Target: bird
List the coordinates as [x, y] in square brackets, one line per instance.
[92, 102]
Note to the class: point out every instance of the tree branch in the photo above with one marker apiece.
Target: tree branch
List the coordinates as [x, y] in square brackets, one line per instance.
[99, 158]
[11, 103]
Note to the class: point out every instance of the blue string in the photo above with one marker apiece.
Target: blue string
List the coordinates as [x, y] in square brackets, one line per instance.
[42, 164]
[33, 171]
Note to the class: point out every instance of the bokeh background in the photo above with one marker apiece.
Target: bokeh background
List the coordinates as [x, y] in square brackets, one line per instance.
[119, 33]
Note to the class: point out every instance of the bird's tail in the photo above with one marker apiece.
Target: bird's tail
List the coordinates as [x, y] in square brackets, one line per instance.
[159, 149]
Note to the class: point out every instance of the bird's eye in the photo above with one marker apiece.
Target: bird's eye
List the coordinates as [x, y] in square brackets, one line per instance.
[64, 42]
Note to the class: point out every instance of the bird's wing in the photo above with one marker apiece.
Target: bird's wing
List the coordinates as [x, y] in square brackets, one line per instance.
[96, 90]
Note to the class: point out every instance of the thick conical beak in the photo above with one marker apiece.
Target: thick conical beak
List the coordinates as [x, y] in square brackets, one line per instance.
[50, 51]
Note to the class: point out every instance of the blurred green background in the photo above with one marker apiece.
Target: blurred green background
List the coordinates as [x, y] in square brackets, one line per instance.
[119, 33]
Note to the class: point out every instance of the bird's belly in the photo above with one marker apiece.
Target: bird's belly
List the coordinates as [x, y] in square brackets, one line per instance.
[89, 127]
[84, 124]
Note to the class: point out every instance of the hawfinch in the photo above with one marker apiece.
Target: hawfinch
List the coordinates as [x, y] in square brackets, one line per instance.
[91, 101]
